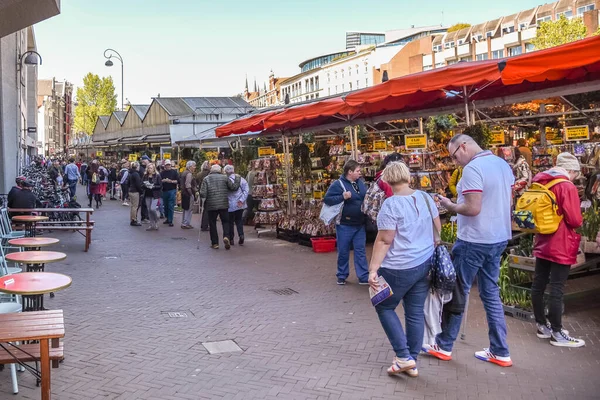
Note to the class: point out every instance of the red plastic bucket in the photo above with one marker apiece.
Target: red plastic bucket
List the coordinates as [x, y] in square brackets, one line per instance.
[323, 244]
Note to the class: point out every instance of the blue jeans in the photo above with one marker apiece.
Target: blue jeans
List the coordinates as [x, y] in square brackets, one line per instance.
[355, 236]
[412, 286]
[168, 199]
[482, 261]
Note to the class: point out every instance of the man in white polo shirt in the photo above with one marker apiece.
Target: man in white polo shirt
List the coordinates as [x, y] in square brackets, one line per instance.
[484, 228]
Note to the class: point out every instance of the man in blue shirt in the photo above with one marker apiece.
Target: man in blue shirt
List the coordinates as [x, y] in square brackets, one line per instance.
[72, 176]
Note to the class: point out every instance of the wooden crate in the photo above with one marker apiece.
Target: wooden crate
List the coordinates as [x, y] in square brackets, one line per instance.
[528, 263]
[589, 246]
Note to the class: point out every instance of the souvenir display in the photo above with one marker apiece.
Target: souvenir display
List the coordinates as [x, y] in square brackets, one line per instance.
[266, 191]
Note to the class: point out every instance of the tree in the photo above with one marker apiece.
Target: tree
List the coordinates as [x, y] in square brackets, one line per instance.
[561, 31]
[458, 26]
[96, 97]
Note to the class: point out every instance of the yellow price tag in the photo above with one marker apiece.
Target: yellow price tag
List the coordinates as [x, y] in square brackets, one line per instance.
[379, 145]
[99, 153]
[413, 142]
[497, 138]
[266, 151]
[166, 156]
[132, 157]
[577, 133]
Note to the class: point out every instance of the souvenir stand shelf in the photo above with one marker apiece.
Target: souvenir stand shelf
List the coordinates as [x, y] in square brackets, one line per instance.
[267, 192]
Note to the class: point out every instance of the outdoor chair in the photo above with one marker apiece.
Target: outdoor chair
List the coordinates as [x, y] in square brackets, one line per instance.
[12, 304]
[6, 230]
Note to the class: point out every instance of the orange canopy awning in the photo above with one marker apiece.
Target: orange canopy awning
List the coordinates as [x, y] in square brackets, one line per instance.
[296, 116]
[453, 77]
[252, 123]
[570, 61]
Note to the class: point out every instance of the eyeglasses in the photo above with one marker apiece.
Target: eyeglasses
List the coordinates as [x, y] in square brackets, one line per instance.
[454, 154]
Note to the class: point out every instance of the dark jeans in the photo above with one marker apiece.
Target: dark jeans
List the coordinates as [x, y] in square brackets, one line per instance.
[411, 286]
[250, 213]
[144, 208]
[212, 222]
[124, 192]
[204, 220]
[168, 198]
[72, 187]
[235, 218]
[556, 274]
[482, 261]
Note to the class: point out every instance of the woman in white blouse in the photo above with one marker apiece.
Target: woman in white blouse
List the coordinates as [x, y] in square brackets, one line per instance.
[402, 255]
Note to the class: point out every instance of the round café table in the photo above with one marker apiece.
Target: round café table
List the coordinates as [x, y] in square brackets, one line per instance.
[33, 243]
[32, 286]
[29, 221]
[35, 260]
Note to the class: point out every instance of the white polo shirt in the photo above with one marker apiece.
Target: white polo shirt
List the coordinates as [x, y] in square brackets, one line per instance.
[493, 178]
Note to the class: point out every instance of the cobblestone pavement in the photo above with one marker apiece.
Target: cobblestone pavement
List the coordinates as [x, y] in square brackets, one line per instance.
[321, 341]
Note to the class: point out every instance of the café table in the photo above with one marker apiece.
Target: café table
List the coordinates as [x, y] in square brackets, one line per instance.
[35, 260]
[29, 221]
[33, 243]
[33, 285]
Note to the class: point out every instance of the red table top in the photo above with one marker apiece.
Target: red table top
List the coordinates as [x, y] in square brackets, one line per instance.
[29, 218]
[36, 257]
[31, 283]
[33, 241]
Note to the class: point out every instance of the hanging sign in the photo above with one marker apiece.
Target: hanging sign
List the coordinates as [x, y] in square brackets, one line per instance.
[132, 157]
[414, 142]
[311, 147]
[553, 135]
[266, 151]
[497, 138]
[318, 195]
[379, 145]
[348, 147]
[577, 133]
[166, 156]
[154, 157]
[98, 153]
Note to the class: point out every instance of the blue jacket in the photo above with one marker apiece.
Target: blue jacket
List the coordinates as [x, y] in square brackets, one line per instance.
[351, 213]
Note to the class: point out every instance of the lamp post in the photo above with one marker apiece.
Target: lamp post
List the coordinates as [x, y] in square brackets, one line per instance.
[113, 53]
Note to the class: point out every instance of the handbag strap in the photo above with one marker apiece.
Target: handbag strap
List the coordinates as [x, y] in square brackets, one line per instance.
[436, 233]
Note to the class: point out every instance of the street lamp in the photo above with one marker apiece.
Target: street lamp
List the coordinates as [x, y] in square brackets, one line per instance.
[113, 53]
[29, 58]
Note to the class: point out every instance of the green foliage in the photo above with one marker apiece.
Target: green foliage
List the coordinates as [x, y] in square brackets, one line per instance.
[591, 222]
[525, 248]
[199, 157]
[301, 160]
[241, 159]
[480, 133]
[308, 138]
[458, 27]
[448, 233]
[96, 97]
[440, 126]
[561, 31]
[510, 295]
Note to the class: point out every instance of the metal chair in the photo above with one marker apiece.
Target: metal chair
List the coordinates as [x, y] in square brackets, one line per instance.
[6, 227]
[11, 304]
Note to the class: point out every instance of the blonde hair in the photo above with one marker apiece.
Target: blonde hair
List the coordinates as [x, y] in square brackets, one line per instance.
[150, 165]
[396, 172]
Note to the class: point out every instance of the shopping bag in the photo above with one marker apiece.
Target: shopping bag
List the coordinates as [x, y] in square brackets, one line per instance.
[329, 213]
[383, 291]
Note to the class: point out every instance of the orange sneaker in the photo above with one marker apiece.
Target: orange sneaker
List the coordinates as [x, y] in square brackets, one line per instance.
[487, 355]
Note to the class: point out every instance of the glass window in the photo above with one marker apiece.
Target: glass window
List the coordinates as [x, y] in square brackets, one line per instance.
[581, 10]
[497, 54]
[489, 34]
[466, 59]
[357, 85]
[367, 82]
[427, 67]
[461, 41]
[335, 89]
[328, 91]
[508, 29]
[529, 47]
[544, 19]
[317, 96]
[523, 26]
[481, 57]
[350, 86]
[515, 51]
[568, 14]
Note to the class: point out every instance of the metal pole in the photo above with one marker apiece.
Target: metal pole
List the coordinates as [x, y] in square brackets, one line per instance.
[122, 85]
[286, 158]
[356, 142]
[466, 97]
[421, 125]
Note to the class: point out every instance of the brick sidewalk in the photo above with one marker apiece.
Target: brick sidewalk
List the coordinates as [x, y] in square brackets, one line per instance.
[322, 342]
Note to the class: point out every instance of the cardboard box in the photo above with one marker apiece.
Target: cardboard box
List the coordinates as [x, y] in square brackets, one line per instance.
[588, 246]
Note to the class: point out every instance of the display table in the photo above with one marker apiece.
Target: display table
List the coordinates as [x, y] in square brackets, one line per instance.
[33, 243]
[32, 286]
[29, 221]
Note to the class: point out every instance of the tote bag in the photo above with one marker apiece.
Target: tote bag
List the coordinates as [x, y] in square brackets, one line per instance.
[329, 213]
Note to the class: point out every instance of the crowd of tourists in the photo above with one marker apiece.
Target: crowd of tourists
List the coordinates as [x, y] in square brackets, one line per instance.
[485, 187]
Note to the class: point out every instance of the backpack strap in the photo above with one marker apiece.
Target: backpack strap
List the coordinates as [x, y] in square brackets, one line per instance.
[555, 182]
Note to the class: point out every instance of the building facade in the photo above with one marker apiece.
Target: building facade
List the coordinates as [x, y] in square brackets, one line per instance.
[355, 39]
[266, 97]
[55, 113]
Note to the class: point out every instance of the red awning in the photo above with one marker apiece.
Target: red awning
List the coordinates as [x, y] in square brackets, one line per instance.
[453, 77]
[570, 61]
[296, 116]
[253, 123]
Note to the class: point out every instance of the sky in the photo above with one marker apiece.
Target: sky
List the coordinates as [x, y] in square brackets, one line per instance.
[206, 48]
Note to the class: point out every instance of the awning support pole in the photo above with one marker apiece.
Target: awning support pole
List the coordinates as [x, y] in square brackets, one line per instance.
[356, 142]
[421, 125]
[288, 177]
[466, 98]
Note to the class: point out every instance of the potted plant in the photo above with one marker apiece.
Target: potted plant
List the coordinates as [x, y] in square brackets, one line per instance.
[589, 229]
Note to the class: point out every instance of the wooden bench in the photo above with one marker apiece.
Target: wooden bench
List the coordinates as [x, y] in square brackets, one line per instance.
[30, 353]
[84, 227]
[47, 327]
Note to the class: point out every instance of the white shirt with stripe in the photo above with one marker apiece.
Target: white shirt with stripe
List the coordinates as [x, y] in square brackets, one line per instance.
[493, 178]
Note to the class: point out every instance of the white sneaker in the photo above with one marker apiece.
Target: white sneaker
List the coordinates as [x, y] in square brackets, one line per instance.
[487, 355]
[434, 350]
[413, 373]
[401, 365]
[562, 339]
[545, 331]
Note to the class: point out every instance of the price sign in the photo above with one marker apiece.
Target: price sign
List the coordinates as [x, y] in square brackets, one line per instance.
[166, 156]
[99, 153]
[154, 157]
[132, 157]
[311, 147]
[497, 138]
[414, 142]
[317, 195]
[379, 145]
[266, 151]
[577, 133]
[348, 147]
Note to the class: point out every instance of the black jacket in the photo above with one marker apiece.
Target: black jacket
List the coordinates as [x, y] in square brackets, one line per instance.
[135, 182]
[156, 190]
[21, 198]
